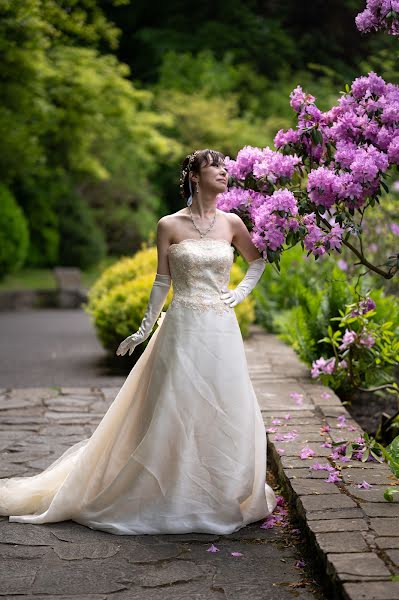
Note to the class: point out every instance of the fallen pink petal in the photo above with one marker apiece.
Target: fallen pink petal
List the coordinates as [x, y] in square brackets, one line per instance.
[236, 554]
[276, 421]
[325, 429]
[306, 452]
[213, 548]
[325, 395]
[322, 467]
[364, 485]
[333, 477]
[271, 429]
[287, 416]
[299, 564]
[280, 450]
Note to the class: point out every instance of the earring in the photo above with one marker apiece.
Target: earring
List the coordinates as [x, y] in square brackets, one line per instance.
[190, 198]
[197, 188]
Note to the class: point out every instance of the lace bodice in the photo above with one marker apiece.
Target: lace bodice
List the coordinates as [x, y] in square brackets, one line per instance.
[199, 268]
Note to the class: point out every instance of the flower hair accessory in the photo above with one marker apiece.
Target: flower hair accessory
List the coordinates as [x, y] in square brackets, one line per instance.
[185, 172]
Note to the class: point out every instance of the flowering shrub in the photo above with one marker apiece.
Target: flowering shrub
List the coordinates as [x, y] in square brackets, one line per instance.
[379, 14]
[331, 168]
[364, 354]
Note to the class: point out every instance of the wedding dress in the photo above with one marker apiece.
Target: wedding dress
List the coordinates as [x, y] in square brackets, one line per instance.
[182, 448]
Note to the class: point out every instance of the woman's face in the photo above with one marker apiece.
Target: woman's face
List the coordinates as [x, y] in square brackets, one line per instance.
[212, 177]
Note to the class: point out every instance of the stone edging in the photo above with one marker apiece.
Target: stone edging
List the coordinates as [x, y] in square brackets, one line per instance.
[354, 532]
[32, 299]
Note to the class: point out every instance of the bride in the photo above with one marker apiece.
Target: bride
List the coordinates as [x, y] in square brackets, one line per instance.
[182, 448]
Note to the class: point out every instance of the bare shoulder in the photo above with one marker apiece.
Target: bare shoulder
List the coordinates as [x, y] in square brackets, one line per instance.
[167, 224]
[236, 223]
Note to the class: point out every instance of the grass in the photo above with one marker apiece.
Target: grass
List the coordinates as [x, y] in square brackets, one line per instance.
[43, 279]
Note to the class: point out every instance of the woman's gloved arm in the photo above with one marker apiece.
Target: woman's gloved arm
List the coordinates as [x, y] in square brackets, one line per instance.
[245, 287]
[159, 291]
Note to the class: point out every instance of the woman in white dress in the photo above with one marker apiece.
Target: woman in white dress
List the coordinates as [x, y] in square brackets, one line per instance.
[182, 448]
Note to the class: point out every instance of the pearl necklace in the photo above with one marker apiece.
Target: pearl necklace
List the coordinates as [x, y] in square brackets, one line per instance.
[202, 234]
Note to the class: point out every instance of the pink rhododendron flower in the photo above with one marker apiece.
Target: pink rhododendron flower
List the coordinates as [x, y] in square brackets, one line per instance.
[322, 365]
[348, 339]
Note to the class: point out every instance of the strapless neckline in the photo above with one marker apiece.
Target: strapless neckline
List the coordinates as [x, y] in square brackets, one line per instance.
[201, 240]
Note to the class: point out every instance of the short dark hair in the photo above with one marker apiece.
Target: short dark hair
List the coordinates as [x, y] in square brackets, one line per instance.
[201, 158]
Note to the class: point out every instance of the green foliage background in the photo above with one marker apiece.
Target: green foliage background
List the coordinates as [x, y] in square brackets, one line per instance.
[101, 100]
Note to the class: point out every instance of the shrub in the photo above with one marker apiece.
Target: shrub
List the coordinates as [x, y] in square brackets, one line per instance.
[14, 234]
[39, 203]
[118, 299]
[82, 242]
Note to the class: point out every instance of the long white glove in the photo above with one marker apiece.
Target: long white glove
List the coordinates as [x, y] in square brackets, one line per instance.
[245, 287]
[159, 291]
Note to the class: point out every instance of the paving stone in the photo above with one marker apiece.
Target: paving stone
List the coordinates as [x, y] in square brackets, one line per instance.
[86, 550]
[294, 449]
[172, 572]
[326, 526]
[17, 576]
[292, 462]
[385, 527]
[33, 394]
[88, 577]
[8, 469]
[394, 556]
[357, 566]
[10, 403]
[381, 510]
[387, 542]
[58, 597]
[305, 474]
[25, 534]
[335, 411]
[318, 503]
[344, 513]
[301, 438]
[14, 551]
[351, 541]
[373, 590]
[77, 391]
[379, 476]
[304, 487]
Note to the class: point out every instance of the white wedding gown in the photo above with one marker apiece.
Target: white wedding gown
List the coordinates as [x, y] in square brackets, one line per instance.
[182, 448]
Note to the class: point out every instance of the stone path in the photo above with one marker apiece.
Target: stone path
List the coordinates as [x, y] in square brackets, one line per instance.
[68, 561]
[353, 532]
[49, 347]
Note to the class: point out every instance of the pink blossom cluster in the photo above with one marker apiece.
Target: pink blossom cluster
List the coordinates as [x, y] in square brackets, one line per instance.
[346, 152]
[261, 163]
[379, 14]
[363, 130]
